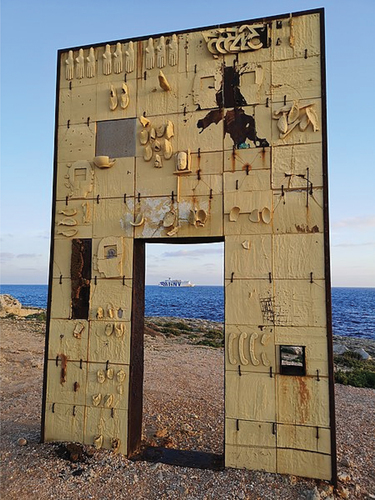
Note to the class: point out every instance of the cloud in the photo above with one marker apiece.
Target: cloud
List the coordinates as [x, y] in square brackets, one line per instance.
[45, 235]
[6, 256]
[194, 253]
[28, 255]
[355, 222]
[348, 245]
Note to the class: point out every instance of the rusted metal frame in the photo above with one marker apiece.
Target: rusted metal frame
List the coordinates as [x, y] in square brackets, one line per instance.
[327, 254]
[136, 349]
[185, 240]
[51, 253]
[265, 20]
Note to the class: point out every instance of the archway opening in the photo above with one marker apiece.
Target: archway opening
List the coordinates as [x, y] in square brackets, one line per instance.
[183, 383]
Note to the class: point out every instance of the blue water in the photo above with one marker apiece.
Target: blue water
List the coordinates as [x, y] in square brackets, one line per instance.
[353, 309]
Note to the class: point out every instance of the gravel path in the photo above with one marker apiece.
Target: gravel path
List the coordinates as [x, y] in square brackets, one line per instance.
[183, 408]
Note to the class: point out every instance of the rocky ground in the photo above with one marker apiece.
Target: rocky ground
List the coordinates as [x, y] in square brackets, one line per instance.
[183, 408]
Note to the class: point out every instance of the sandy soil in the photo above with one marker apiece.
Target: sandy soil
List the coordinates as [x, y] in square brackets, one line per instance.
[183, 407]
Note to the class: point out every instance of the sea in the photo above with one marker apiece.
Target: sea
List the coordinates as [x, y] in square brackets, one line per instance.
[353, 309]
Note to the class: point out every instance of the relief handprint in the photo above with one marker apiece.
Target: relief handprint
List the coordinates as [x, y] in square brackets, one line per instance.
[90, 68]
[173, 47]
[69, 66]
[107, 61]
[80, 66]
[150, 54]
[129, 58]
[161, 51]
[117, 55]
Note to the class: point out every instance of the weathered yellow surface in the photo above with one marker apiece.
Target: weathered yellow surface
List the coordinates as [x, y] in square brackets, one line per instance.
[76, 142]
[61, 298]
[115, 181]
[250, 348]
[107, 385]
[296, 256]
[108, 424]
[248, 256]
[111, 217]
[202, 134]
[315, 346]
[291, 215]
[66, 336]
[246, 433]
[250, 396]
[302, 400]
[300, 303]
[247, 457]
[249, 302]
[294, 162]
[111, 296]
[66, 381]
[62, 425]
[302, 74]
[254, 159]
[186, 133]
[316, 439]
[109, 340]
[304, 463]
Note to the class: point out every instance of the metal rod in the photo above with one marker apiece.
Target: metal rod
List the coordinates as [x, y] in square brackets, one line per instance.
[239, 371]
[307, 187]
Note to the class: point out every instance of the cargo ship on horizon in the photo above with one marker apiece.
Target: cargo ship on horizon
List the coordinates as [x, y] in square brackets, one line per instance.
[176, 283]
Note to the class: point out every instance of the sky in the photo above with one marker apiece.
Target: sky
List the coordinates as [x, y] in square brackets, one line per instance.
[33, 31]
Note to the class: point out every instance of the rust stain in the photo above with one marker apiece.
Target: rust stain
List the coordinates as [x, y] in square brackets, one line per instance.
[64, 364]
[304, 398]
[263, 156]
[139, 59]
[306, 229]
[240, 126]
[233, 160]
[76, 386]
[247, 167]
